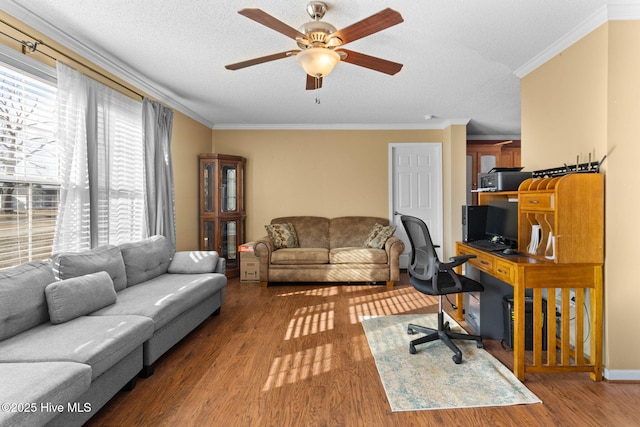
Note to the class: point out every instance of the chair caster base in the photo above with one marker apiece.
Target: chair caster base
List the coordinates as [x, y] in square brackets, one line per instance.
[457, 359]
[479, 344]
[412, 349]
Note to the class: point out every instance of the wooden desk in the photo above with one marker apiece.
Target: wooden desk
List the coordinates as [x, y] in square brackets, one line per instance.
[573, 281]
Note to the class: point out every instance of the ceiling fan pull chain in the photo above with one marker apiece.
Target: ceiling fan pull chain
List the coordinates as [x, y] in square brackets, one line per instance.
[317, 79]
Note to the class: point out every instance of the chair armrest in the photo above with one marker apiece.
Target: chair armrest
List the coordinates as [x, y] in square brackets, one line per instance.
[394, 246]
[262, 248]
[455, 261]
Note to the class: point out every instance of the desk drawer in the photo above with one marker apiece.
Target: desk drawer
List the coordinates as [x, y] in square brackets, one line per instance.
[482, 261]
[504, 271]
[536, 201]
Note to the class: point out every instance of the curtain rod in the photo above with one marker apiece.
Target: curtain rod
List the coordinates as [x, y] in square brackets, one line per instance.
[32, 47]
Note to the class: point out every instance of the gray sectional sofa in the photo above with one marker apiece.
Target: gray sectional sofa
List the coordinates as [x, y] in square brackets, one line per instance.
[75, 331]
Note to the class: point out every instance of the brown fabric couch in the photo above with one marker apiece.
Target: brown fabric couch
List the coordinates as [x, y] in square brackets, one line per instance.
[330, 250]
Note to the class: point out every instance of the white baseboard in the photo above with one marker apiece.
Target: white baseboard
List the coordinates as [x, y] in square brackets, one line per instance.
[621, 375]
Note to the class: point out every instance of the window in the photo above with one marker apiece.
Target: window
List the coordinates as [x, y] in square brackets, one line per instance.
[29, 168]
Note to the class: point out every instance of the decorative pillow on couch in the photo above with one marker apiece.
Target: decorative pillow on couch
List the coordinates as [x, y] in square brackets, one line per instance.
[379, 235]
[282, 235]
[71, 298]
[67, 265]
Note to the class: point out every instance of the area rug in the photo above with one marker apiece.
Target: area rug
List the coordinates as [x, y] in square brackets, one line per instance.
[430, 379]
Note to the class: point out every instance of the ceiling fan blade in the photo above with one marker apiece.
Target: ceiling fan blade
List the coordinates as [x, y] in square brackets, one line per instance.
[378, 22]
[313, 83]
[371, 62]
[267, 20]
[260, 60]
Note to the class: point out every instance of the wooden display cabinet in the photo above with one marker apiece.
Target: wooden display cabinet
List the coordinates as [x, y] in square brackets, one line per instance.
[222, 211]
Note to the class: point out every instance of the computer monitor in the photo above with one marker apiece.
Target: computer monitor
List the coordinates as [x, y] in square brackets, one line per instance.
[502, 220]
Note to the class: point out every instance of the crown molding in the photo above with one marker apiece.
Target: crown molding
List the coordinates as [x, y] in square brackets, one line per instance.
[104, 61]
[437, 125]
[614, 12]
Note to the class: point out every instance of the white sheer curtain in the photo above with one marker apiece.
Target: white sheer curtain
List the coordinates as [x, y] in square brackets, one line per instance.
[102, 198]
[158, 123]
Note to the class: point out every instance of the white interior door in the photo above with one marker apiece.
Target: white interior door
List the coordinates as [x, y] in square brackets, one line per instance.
[415, 172]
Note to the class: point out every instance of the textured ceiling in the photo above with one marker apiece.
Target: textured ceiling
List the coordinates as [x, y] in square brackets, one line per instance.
[462, 58]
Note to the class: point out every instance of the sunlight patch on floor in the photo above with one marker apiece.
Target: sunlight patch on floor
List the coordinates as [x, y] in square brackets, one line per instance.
[299, 366]
[311, 320]
[314, 292]
[394, 302]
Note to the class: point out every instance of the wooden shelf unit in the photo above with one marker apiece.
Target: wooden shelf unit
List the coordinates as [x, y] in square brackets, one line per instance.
[485, 197]
[570, 210]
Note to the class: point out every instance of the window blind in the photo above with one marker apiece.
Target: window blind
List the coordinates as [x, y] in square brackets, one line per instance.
[29, 168]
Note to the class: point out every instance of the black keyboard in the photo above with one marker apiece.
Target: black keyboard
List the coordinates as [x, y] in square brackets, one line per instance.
[487, 245]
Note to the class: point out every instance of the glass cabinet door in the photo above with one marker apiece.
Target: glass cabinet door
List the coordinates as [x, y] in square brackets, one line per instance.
[209, 236]
[208, 187]
[228, 188]
[229, 244]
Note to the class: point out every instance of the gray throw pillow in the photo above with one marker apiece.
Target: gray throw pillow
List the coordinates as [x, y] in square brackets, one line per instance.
[67, 265]
[71, 298]
[193, 262]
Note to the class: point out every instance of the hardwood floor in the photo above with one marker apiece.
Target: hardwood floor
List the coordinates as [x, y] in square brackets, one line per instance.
[295, 355]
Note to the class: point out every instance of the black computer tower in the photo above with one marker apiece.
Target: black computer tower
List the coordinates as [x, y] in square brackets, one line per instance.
[474, 221]
[507, 304]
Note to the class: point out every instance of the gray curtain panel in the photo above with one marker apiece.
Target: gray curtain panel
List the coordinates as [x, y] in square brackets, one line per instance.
[102, 166]
[158, 123]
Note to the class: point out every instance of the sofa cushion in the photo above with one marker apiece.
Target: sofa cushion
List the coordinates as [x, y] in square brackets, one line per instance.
[70, 298]
[352, 231]
[67, 265]
[33, 384]
[379, 235]
[22, 301]
[282, 235]
[99, 341]
[145, 259]
[193, 262]
[312, 231]
[300, 256]
[357, 256]
[165, 297]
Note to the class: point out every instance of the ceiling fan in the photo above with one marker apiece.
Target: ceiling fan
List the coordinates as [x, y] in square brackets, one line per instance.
[320, 43]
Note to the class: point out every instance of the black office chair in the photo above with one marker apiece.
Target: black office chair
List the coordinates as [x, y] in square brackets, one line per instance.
[432, 277]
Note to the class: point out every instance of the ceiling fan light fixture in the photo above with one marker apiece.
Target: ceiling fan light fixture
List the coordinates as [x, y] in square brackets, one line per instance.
[318, 61]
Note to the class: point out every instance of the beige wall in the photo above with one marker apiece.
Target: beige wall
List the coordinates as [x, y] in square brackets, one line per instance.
[189, 139]
[564, 105]
[622, 198]
[585, 100]
[330, 172]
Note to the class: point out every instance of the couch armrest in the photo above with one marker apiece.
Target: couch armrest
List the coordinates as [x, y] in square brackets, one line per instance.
[262, 248]
[196, 262]
[221, 266]
[394, 248]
